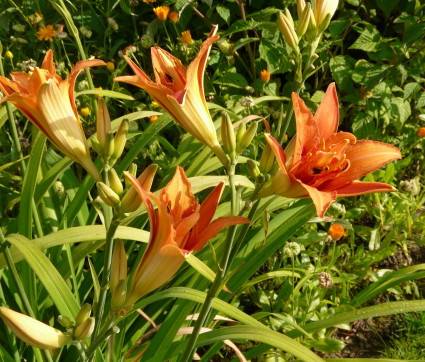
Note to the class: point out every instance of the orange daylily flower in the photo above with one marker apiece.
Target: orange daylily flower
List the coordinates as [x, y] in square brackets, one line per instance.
[323, 164]
[179, 227]
[180, 91]
[47, 100]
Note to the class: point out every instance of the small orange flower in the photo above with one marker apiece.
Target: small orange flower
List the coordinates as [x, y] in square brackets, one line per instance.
[265, 76]
[161, 12]
[46, 33]
[153, 119]
[186, 37]
[173, 16]
[421, 132]
[336, 231]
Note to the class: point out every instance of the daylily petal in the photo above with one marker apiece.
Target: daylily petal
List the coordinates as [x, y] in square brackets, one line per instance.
[308, 134]
[365, 156]
[278, 152]
[359, 188]
[209, 206]
[321, 199]
[48, 63]
[169, 70]
[327, 115]
[215, 227]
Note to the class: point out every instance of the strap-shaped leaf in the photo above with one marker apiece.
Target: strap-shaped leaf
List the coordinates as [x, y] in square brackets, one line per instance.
[78, 234]
[48, 275]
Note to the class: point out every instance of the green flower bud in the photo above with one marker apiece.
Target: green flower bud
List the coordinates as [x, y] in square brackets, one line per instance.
[85, 329]
[119, 295]
[288, 31]
[120, 141]
[267, 160]
[253, 170]
[65, 321]
[115, 182]
[108, 195]
[227, 134]
[247, 137]
[83, 314]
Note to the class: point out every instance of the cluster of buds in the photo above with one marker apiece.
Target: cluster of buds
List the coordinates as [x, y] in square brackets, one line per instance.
[125, 200]
[234, 144]
[311, 22]
[108, 146]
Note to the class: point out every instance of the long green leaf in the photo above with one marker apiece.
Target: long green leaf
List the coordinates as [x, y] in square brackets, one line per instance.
[105, 93]
[78, 234]
[48, 275]
[28, 187]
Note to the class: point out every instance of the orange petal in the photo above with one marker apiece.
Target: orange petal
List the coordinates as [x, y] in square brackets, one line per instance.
[168, 70]
[178, 191]
[214, 228]
[321, 199]
[308, 134]
[365, 157]
[327, 115]
[360, 188]
[209, 206]
[278, 152]
[8, 86]
[48, 63]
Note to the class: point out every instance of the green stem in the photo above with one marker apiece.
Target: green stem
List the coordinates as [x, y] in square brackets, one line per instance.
[109, 245]
[220, 275]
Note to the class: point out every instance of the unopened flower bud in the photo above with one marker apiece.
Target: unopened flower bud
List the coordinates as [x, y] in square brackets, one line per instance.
[227, 134]
[65, 321]
[103, 122]
[336, 231]
[146, 41]
[300, 7]
[83, 314]
[113, 24]
[247, 137]
[85, 111]
[173, 16]
[108, 195]
[304, 21]
[108, 149]
[289, 17]
[312, 27]
[288, 31]
[291, 249]
[265, 76]
[266, 160]
[85, 329]
[119, 295]
[225, 46]
[110, 66]
[133, 170]
[131, 200]
[325, 280]
[324, 9]
[32, 331]
[96, 146]
[252, 169]
[120, 140]
[114, 181]
[241, 132]
[8, 54]
[118, 265]
[421, 132]
[247, 102]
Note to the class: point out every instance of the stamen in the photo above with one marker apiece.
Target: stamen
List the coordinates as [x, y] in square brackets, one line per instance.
[324, 144]
[309, 154]
[327, 168]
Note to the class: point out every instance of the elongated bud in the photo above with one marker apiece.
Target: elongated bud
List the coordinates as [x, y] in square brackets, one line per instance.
[109, 146]
[120, 140]
[266, 160]
[289, 17]
[65, 321]
[247, 137]
[241, 132]
[287, 30]
[114, 181]
[118, 265]
[103, 122]
[227, 134]
[131, 200]
[304, 21]
[300, 7]
[85, 329]
[32, 331]
[312, 26]
[108, 195]
[119, 295]
[83, 314]
[252, 169]
[133, 170]
[96, 146]
[324, 24]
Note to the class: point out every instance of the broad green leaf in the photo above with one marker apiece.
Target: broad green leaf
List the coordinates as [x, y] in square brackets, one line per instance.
[363, 125]
[48, 275]
[28, 187]
[369, 40]
[233, 80]
[224, 13]
[242, 42]
[78, 234]
[341, 68]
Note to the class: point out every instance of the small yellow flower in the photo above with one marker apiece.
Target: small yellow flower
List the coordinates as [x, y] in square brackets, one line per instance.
[46, 33]
[336, 231]
[85, 111]
[153, 119]
[149, 1]
[110, 66]
[8, 54]
[155, 104]
[265, 76]
[173, 16]
[162, 12]
[186, 37]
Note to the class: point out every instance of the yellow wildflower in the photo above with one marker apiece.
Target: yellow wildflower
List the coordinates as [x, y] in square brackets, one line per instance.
[162, 12]
[186, 37]
[46, 33]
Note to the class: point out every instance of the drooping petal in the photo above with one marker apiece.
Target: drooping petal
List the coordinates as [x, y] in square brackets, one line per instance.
[308, 135]
[321, 199]
[327, 115]
[360, 188]
[364, 156]
[214, 228]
